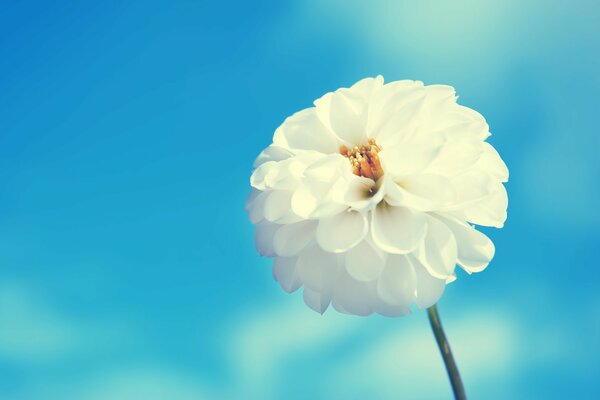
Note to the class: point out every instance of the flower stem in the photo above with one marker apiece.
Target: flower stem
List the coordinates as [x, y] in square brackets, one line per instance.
[440, 337]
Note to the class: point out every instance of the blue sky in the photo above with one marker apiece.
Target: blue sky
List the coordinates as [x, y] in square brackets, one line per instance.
[127, 135]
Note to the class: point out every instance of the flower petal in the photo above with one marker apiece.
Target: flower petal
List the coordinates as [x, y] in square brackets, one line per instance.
[364, 262]
[438, 252]
[489, 211]
[342, 231]
[351, 296]
[345, 112]
[317, 268]
[362, 193]
[475, 250]
[290, 239]
[397, 230]
[318, 301]
[277, 207]
[491, 163]
[398, 282]
[263, 238]
[272, 153]
[304, 131]
[429, 289]
[285, 272]
[424, 192]
[409, 158]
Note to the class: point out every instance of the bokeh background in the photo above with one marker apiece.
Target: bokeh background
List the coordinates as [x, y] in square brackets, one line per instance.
[127, 135]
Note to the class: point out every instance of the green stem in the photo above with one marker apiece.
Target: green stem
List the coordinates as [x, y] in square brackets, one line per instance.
[440, 337]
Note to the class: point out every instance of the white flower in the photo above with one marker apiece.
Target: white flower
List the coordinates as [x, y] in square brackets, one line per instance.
[367, 199]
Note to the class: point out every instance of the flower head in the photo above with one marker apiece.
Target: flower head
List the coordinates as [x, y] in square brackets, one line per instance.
[367, 199]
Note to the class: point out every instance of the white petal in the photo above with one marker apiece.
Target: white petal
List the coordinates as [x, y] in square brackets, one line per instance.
[317, 268]
[471, 187]
[345, 112]
[257, 206]
[409, 158]
[285, 272]
[438, 252]
[318, 301]
[397, 230]
[263, 238]
[429, 289]
[491, 163]
[342, 231]
[353, 297]
[367, 87]
[272, 153]
[262, 173]
[424, 192]
[390, 101]
[364, 262]
[399, 124]
[278, 207]
[398, 282]
[475, 250]
[292, 238]
[456, 156]
[304, 131]
[328, 168]
[390, 310]
[362, 193]
[489, 211]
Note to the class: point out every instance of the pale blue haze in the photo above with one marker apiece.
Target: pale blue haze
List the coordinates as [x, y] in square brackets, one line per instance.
[127, 135]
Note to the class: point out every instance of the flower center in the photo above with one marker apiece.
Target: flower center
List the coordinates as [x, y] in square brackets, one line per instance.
[364, 159]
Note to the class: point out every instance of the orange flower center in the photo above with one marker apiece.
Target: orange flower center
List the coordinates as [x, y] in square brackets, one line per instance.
[364, 159]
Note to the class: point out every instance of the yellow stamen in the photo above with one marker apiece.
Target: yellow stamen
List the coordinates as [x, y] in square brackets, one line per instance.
[364, 159]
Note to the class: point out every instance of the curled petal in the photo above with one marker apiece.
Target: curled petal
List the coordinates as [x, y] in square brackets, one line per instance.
[475, 250]
[438, 252]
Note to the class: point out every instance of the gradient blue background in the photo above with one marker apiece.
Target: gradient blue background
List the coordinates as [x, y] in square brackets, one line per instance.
[127, 134]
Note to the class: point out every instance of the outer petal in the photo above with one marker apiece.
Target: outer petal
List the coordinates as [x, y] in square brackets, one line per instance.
[342, 231]
[317, 268]
[304, 131]
[475, 250]
[429, 289]
[489, 211]
[318, 301]
[290, 239]
[397, 284]
[285, 272]
[263, 238]
[397, 230]
[272, 153]
[364, 262]
[278, 207]
[438, 253]
[491, 163]
[353, 297]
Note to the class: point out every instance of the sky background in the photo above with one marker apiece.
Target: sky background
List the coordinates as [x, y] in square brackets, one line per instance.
[127, 135]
